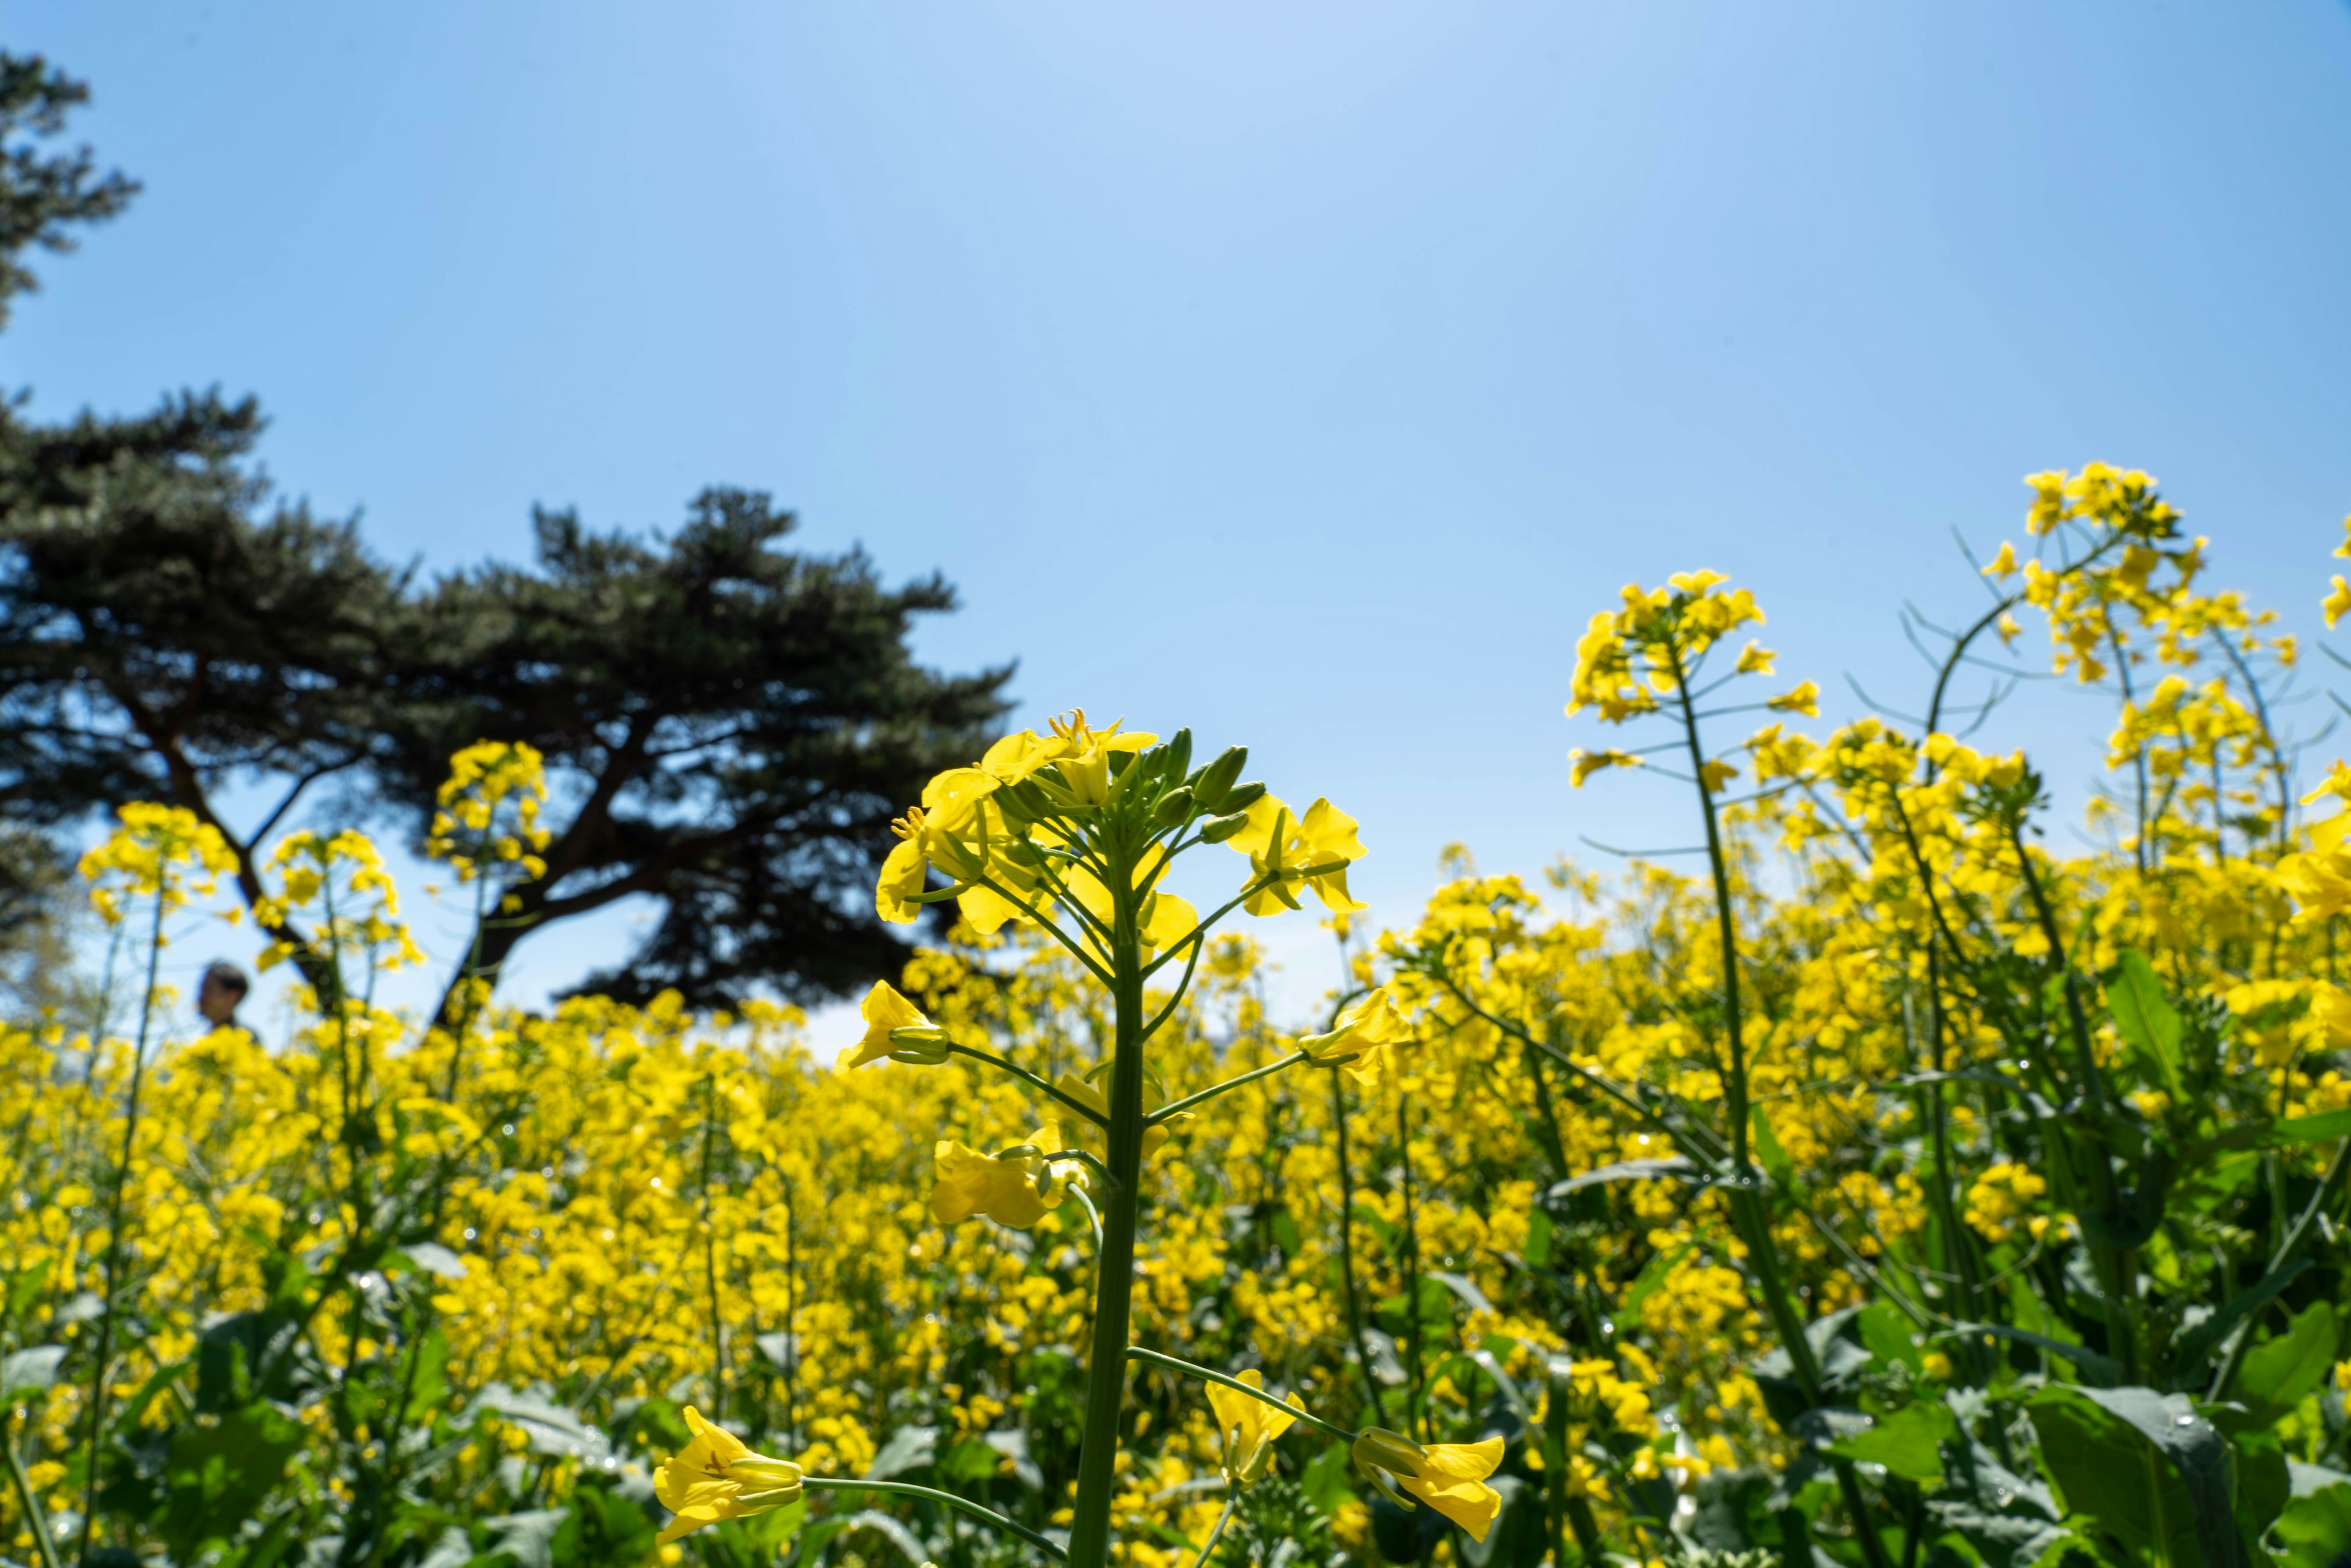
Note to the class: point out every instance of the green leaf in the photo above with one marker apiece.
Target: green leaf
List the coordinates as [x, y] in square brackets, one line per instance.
[2151, 1471]
[1324, 1480]
[24, 1287]
[2315, 1531]
[1538, 1233]
[29, 1371]
[2094, 1367]
[428, 1383]
[2276, 1375]
[1673, 1167]
[1887, 1332]
[2196, 1346]
[969, 1460]
[1908, 1442]
[217, 1475]
[2148, 1025]
[1652, 1275]
[1776, 1163]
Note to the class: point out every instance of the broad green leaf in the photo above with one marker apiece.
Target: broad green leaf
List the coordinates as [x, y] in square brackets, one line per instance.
[2148, 1025]
[1887, 1333]
[1908, 1442]
[2276, 1375]
[2314, 1531]
[1325, 1481]
[2153, 1472]
[217, 1475]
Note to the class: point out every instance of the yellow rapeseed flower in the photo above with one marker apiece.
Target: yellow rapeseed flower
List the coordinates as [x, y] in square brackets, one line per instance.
[716, 1476]
[1248, 1427]
[1288, 850]
[1448, 1476]
[885, 1012]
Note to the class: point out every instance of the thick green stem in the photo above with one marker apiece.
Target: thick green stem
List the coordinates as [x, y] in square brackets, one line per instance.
[1114, 1275]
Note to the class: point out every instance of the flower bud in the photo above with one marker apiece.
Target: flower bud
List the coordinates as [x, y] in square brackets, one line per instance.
[1217, 777]
[1220, 828]
[1179, 754]
[1031, 801]
[1241, 796]
[1175, 808]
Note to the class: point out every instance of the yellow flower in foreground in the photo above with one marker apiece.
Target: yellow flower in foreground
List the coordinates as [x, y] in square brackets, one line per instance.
[1448, 1476]
[1359, 1039]
[1013, 1188]
[718, 1476]
[1288, 850]
[885, 1012]
[1248, 1427]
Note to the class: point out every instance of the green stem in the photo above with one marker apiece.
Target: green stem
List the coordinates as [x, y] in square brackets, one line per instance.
[1419, 1396]
[1114, 1274]
[2243, 1339]
[1270, 1068]
[114, 1232]
[34, 1516]
[1232, 1500]
[1347, 1252]
[710, 1248]
[1746, 1202]
[989, 1057]
[1154, 1358]
[932, 1494]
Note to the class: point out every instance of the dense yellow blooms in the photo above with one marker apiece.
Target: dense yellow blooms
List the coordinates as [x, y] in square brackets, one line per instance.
[1511, 1208]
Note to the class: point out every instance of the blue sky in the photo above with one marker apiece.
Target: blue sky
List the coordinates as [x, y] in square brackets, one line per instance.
[1307, 372]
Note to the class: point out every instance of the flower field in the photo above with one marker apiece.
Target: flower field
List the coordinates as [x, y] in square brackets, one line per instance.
[1885, 1184]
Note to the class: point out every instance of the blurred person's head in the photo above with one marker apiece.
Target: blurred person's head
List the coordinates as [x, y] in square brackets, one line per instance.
[217, 996]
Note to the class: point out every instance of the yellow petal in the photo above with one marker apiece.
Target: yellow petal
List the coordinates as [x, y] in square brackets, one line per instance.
[948, 799]
[1170, 920]
[1330, 833]
[962, 1184]
[884, 1009]
[1265, 813]
[1472, 1505]
[902, 881]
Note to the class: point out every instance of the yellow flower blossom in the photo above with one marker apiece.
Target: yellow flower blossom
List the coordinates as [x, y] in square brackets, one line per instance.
[1448, 1476]
[885, 1013]
[1246, 1427]
[716, 1476]
[1287, 851]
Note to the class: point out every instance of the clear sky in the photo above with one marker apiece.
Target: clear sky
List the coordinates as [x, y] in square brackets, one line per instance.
[1305, 371]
